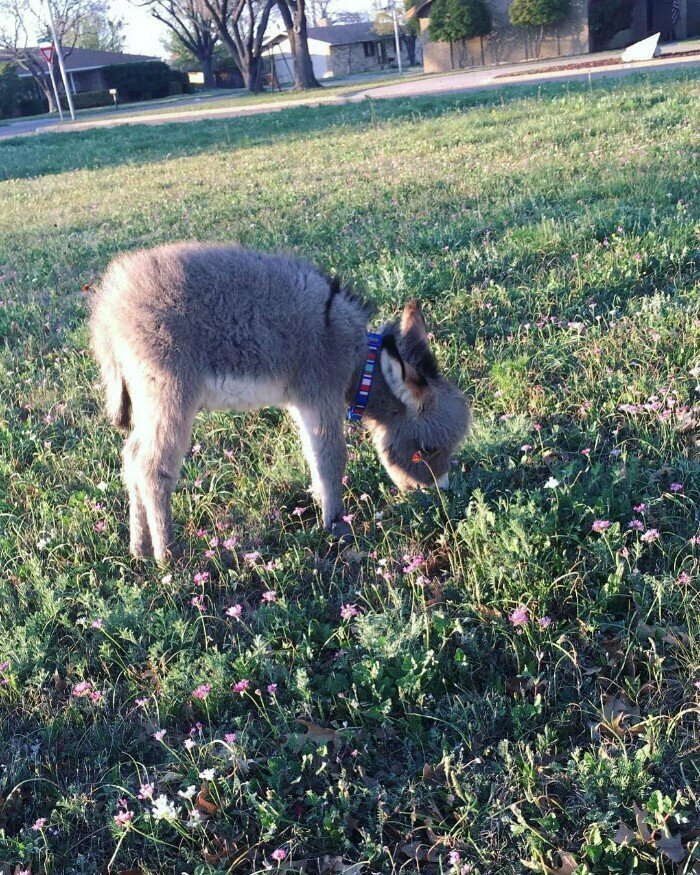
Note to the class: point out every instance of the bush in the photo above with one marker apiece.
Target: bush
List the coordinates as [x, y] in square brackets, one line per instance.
[88, 99]
[141, 80]
[608, 17]
[538, 13]
[18, 96]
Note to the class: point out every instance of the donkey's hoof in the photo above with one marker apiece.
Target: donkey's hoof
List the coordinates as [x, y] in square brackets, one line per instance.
[342, 531]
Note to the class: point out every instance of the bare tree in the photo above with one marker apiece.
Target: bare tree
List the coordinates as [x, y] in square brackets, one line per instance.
[241, 25]
[194, 26]
[25, 22]
[97, 30]
[293, 14]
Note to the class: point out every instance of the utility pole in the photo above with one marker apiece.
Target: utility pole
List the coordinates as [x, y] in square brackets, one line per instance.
[396, 37]
[62, 67]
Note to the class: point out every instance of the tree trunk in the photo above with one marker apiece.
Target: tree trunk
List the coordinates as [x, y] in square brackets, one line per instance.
[208, 71]
[253, 75]
[294, 18]
[409, 41]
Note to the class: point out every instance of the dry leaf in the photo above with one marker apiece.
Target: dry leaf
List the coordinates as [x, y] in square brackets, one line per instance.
[419, 852]
[642, 826]
[568, 864]
[671, 846]
[205, 803]
[316, 733]
[623, 834]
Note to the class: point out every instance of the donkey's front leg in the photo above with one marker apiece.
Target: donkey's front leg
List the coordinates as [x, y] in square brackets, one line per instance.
[323, 442]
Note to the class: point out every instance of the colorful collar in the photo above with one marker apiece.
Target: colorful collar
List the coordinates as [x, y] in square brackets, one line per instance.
[374, 344]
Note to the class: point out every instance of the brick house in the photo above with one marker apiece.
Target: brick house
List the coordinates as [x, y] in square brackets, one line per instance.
[337, 50]
[509, 44]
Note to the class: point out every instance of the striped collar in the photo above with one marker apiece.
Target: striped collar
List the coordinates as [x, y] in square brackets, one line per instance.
[374, 345]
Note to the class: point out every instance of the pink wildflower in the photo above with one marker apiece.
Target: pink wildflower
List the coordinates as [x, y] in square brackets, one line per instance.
[241, 686]
[636, 524]
[676, 487]
[123, 818]
[100, 526]
[251, 558]
[230, 543]
[544, 622]
[519, 617]
[159, 735]
[413, 562]
[146, 791]
[272, 689]
[201, 577]
[269, 596]
[650, 535]
[198, 602]
[97, 624]
[95, 696]
[230, 738]
[81, 690]
[639, 508]
[189, 744]
[347, 612]
[235, 611]
[601, 525]
[141, 702]
[202, 691]
[39, 824]
[298, 511]
[684, 578]
[279, 855]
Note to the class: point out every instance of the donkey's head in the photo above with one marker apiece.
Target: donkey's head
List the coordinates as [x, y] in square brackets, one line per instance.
[420, 417]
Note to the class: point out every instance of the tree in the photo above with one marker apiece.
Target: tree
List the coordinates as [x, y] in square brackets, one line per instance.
[538, 14]
[293, 14]
[459, 20]
[241, 25]
[23, 20]
[194, 27]
[96, 30]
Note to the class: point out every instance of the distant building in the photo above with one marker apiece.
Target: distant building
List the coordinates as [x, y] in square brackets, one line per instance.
[84, 66]
[574, 36]
[337, 50]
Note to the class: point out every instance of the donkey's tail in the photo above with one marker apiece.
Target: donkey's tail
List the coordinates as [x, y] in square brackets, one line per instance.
[117, 399]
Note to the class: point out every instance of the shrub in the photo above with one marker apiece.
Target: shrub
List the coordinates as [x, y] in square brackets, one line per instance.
[141, 80]
[18, 96]
[608, 17]
[88, 99]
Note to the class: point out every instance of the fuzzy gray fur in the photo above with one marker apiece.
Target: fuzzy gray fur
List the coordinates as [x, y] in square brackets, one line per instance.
[183, 327]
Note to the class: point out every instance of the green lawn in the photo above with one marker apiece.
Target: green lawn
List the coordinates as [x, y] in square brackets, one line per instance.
[521, 675]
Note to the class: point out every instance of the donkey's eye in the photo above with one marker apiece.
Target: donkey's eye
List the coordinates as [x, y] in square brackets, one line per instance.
[429, 451]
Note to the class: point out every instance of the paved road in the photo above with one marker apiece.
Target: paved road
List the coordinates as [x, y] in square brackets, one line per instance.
[451, 83]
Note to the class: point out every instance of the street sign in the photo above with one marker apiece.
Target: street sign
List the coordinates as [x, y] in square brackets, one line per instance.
[47, 52]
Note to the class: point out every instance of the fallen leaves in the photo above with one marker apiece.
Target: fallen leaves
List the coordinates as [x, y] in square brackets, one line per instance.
[661, 838]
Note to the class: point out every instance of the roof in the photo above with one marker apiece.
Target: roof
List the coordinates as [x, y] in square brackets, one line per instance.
[415, 11]
[337, 34]
[92, 59]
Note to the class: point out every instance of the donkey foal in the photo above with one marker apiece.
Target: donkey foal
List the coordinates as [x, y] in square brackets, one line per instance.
[189, 326]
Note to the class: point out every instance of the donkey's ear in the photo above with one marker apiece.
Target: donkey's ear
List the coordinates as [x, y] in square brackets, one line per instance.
[413, 322]
[404, 380]
[414, 340]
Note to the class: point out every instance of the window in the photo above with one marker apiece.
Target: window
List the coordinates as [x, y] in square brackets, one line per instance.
[369, 49]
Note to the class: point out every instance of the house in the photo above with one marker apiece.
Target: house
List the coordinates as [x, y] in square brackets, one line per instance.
[84, 66]
[337, 50]
[576, 35]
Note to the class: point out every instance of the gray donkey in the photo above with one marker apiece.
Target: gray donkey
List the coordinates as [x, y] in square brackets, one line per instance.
[188, 326]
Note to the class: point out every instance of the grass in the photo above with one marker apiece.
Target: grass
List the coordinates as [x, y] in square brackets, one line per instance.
[517, 675]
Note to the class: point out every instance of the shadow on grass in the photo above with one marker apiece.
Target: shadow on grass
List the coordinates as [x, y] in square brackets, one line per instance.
[53, 153]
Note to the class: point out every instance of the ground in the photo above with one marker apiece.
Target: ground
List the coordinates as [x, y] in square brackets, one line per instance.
[502, 677]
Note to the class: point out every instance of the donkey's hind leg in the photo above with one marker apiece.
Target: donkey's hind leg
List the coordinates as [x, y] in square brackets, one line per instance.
[162, 443]
[139, 536]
